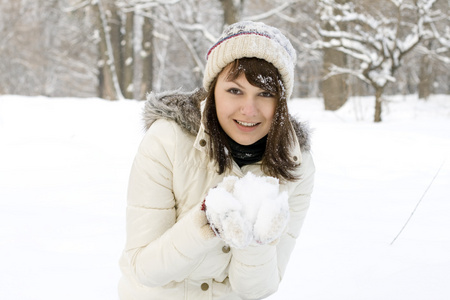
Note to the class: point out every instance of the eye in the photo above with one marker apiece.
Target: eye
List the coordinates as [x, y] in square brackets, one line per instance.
[234, 91]
[267, 94]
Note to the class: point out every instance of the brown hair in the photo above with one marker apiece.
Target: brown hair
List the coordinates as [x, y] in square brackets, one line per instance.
[276, 161]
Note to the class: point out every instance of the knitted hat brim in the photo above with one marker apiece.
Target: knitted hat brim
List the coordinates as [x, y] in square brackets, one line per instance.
[249, 44]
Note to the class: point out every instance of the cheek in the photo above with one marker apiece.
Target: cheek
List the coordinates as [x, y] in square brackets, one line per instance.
[219, 108]
[269, 111]
[224, 105]
[222, 111]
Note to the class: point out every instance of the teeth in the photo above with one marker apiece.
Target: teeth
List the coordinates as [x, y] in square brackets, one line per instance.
[246, 124]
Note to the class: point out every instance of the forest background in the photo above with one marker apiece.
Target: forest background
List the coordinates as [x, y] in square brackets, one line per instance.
[378, 223]
[116, 49]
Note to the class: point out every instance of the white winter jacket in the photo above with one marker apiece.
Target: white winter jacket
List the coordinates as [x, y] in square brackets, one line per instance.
[167, 255]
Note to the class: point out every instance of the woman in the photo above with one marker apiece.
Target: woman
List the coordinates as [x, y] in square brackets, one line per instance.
[181, 247]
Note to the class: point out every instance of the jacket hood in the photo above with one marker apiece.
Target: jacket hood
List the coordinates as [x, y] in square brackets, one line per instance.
[184, 108]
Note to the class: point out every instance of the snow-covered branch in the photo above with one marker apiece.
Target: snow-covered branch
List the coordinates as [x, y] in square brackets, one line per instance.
[197, 27]
[186, 41]
[271, 12]
[76, 6]
[134, 5]
[378, 40]
[335, 70]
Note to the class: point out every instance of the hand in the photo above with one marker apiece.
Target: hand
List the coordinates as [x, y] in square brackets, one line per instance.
[223, 211]
[247, 210]
[272, 220]
[264, 206]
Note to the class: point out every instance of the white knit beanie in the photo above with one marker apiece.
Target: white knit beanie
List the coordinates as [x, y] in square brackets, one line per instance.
[252, 39]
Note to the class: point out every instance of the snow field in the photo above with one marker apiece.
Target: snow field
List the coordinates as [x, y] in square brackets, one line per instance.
[64, 166]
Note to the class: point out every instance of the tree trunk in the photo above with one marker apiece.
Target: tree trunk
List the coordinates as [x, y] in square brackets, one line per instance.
[378, 102]
[425, 76]
[128, 57]
[147, 58]
[116, 37]
[109, 87]
[335, 88]
[105, 84]
[231, 11]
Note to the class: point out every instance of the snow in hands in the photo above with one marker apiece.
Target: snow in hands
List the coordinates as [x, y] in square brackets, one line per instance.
[249, 210]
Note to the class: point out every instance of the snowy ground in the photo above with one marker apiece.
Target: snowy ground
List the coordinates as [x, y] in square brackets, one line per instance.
[64, 165]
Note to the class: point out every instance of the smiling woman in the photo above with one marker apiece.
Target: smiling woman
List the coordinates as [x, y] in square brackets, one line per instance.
[242, 103]
[245, 111]
[222, 180]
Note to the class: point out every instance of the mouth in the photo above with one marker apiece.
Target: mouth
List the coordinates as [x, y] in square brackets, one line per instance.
[246, 124]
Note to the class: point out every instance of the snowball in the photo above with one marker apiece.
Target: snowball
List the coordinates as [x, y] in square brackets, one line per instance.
[220, 200]
[250, 209]
[252, 191]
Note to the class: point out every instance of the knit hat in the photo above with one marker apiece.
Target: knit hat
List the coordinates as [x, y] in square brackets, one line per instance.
[252, 39]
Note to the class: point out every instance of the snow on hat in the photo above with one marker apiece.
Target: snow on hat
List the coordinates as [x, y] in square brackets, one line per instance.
[252, 39]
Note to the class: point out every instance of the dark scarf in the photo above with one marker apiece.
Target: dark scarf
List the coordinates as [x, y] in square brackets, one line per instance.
[246, 155]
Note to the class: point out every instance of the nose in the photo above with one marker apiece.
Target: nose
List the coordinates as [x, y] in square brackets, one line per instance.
[249, 107]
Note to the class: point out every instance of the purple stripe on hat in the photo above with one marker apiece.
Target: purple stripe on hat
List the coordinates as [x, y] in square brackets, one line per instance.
[234, 35]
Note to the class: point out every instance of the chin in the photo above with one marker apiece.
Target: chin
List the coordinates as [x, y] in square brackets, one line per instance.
[245, 141]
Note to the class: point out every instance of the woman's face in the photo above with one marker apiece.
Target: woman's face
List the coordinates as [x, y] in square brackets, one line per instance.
[245, 112]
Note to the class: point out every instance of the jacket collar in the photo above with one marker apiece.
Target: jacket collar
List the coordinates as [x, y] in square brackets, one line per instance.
[202, 140]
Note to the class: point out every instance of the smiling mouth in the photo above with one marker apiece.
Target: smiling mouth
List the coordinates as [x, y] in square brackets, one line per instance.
[246, 124]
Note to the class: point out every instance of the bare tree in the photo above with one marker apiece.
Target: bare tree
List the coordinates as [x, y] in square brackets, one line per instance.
[378, 36]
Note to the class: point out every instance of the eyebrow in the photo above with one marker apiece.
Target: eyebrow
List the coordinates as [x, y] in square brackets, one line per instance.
[235, 82]
[242, 87]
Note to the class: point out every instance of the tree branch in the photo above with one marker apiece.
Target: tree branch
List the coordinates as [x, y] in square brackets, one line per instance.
[271, 12]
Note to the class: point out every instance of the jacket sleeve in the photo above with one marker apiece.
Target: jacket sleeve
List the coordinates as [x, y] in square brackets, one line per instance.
[159, 248]
[256, 271]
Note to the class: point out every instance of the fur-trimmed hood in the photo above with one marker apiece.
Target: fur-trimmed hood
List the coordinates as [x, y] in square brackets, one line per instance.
[184, 109]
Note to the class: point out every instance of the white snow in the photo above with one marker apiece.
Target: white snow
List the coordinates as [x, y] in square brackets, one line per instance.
[64, 166]
[247, 210]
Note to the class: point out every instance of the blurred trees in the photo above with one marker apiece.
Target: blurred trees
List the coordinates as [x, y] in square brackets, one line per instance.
[45, 50]
[125, 48]
[379, 35]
